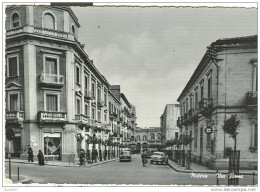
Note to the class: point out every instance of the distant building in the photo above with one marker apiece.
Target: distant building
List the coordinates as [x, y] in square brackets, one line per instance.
[169, 128]
[223, 84]
[148, 137]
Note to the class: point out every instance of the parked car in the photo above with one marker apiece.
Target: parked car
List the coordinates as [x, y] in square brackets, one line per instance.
[125, 156]
[159, 157]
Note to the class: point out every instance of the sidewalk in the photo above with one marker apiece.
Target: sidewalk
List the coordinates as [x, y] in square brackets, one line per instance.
[60, 163]
[195, 168]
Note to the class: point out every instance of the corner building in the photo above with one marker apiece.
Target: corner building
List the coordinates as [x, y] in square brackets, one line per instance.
[56, 99]
[223, 84]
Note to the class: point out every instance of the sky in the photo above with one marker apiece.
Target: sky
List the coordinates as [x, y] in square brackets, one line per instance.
[152, 52]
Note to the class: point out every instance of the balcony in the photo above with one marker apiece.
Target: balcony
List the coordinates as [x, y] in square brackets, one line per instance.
[52, 80]
[205, 106]
[82, 120]
[251, 98]
[101, 103]
[88, 94]
[52, 116]
[14, 117]
[112, 116]
[179, 123]
[194, 115]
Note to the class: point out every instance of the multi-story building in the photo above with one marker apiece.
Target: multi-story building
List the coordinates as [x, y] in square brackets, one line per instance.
[56, 99]
[114, 117]
[148, 137]
[169, 128]
[126, 124]
[223, 84]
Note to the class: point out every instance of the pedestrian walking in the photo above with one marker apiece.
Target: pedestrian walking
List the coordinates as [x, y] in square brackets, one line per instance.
[40, 158]
[144, 158]
[94, 155]
[30, 153]
[82, 157]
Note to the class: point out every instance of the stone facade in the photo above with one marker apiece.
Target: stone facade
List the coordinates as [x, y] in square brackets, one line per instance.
[223, 84]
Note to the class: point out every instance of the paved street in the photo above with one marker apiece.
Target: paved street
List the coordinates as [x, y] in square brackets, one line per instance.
[116, 173]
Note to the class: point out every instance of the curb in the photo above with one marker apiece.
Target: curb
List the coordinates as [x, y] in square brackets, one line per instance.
[208, 172]
[25, 180]
[55, 165]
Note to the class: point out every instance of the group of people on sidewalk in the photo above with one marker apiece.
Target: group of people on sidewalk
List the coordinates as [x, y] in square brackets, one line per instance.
[40, 156]
[83, 156]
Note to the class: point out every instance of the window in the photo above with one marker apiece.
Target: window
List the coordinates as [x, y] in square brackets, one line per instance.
[105, 97]
[105, 118]
[201, 91]
[93, 88]
[77, 74]
[51, 102]
[176, 135]
[78, 106]
[14, 102]
[187, 106]
[73, 29]
[196, 100]
[144, 138]
[138, 137]
[12, 66]
[48, 21]
[190, 102]
[15, 20]
[99, 93]
[109, 107]
[86, 82]
[51, 65]
[152, 136]
[158, 136]
[86, 109]
[93, 113]
[52, 144]
[209, 87]
[195, 137]
[99, 115]
[255, 136]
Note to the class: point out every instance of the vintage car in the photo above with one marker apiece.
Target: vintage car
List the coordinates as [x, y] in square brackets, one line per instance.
[125, 156]
[159, 157]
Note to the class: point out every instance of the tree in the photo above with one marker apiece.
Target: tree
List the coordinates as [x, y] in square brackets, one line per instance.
[230, 127]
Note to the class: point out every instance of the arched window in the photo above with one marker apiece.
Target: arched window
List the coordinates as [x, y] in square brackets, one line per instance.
[144, 138]
[158, 136]
[48, 21]
[138, 137]
[15, 20]
[152, 136]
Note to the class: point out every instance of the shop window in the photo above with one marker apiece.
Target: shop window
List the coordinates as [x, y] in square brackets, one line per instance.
[12, 66]
[52, 144]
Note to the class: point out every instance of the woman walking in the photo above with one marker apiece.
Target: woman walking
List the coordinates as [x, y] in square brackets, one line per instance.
[40, 158]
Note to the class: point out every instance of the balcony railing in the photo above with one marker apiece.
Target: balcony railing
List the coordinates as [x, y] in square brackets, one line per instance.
[88, 94]
[101, 103]
[52, 79]
[251, 98]
[113, 115]
[14, 115]
[205, 105]
[52, 115]
[82, 118]
[51, 33]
